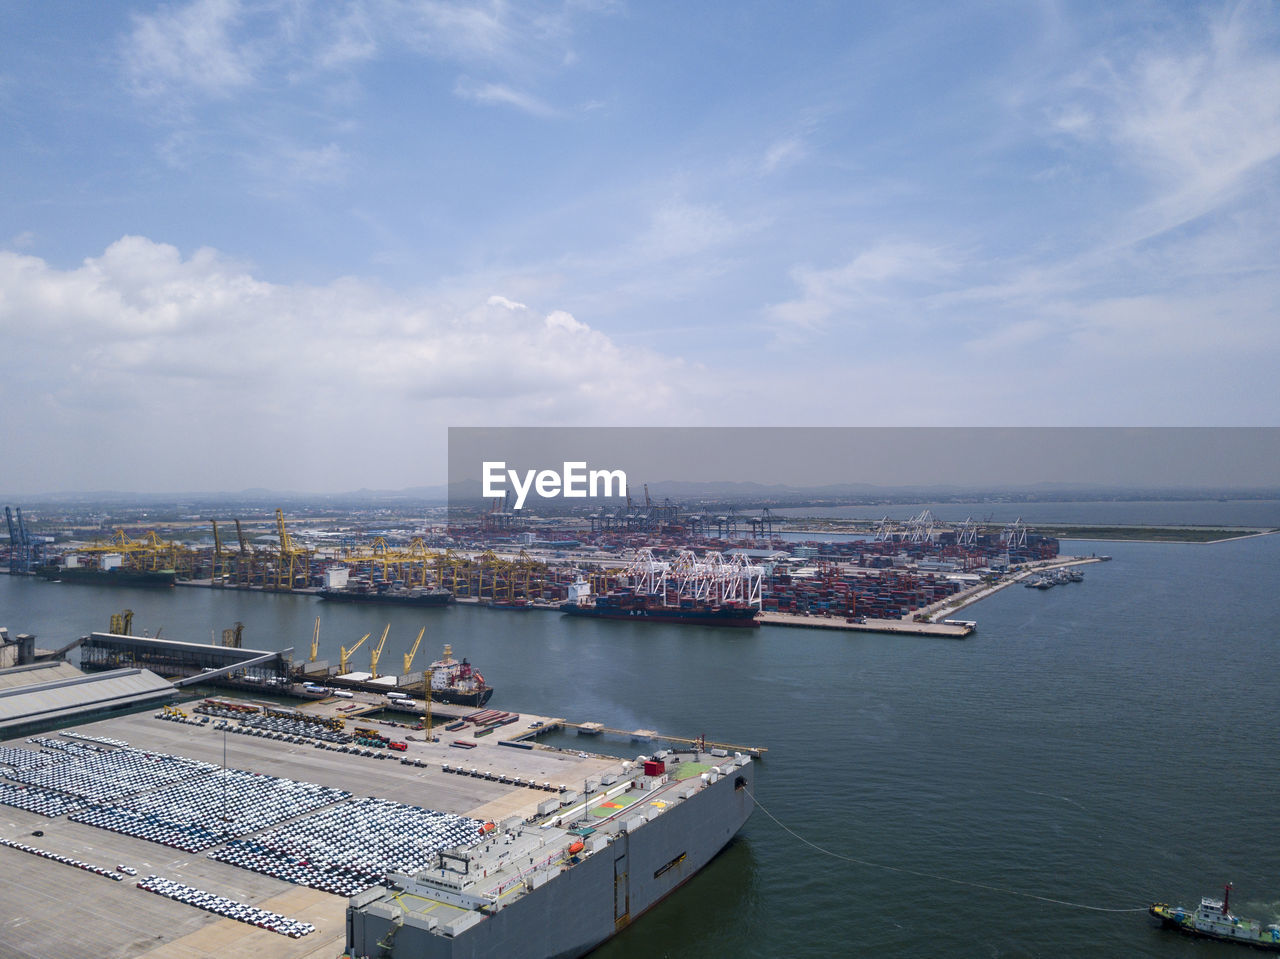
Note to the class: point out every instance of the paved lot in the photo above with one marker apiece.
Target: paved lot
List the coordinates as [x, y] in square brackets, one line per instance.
[54, 910]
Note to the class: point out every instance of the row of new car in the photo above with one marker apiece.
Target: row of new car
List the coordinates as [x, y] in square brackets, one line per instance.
[66, 860]
[222, 906]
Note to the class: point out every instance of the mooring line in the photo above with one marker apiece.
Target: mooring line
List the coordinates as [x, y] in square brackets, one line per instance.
[929, 875]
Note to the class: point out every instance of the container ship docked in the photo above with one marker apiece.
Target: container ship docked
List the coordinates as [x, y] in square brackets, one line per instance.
[413, 596]
[643, 608]
[109, 576]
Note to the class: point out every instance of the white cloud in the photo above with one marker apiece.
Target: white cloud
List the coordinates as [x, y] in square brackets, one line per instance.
[498, 300]
[503, 95]
[189, 47]
[289, 164]
[179, 354]
[1196, 114]
[889, 273]
[681, 229]
[783, 153]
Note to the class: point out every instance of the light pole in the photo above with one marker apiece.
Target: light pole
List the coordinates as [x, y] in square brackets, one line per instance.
[224, 773]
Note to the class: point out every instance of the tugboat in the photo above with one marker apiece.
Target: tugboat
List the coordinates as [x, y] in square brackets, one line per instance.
[1213, 920]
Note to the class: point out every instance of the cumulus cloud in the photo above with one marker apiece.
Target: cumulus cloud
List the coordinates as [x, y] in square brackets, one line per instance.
[142, 347]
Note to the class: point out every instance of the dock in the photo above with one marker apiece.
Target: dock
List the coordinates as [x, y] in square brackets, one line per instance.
[648, 735]
[65, 912]
[901, 627]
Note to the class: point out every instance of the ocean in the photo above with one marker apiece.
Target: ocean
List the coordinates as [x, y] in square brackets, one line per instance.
[1099, 745]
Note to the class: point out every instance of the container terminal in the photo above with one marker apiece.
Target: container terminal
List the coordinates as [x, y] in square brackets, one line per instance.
[654, 564]
[131, 826]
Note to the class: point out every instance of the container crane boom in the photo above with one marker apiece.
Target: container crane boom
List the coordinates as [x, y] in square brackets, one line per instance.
[413, 652]
[315, 641]
[377, 651]
[348, 653]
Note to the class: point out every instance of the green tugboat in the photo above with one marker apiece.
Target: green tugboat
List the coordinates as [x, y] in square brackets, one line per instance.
[1213, 920]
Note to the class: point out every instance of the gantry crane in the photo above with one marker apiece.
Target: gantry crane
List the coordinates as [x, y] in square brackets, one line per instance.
[377, 652]
[291, 561]
[121, 623]
[218, 568]
[413, 651]
[346, 654]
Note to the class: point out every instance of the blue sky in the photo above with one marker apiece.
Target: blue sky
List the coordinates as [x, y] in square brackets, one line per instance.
[286, 244]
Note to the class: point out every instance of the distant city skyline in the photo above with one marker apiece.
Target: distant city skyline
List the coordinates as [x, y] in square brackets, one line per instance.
[287, 244]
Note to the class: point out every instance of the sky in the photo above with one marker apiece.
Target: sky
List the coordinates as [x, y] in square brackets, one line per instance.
[959, 457]
[286, 244]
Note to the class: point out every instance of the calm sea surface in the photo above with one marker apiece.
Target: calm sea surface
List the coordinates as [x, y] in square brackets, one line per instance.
[1137, 513]
[1106, 743]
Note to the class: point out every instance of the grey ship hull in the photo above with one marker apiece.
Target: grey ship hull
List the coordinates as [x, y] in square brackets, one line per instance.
[582, 907]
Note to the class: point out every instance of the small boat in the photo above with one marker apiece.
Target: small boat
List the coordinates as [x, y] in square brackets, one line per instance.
[1213, 919]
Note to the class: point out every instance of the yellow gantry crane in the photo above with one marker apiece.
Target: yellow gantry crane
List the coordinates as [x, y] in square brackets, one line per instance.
[377, 652]
[413, 652]
[121, 623]
[346, 654]
[291, 561]
[219, 567]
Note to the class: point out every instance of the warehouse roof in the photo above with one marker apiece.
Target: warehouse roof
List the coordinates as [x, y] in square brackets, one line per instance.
[18, 676]
[62, 696]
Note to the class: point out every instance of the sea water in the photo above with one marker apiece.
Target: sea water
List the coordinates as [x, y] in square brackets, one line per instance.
[1103, 744]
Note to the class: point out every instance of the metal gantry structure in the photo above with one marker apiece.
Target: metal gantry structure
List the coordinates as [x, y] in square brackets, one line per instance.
[25, 552]
[291, 561]
[1014, 536]
[491, 577]
[710, 578]
[150, 553]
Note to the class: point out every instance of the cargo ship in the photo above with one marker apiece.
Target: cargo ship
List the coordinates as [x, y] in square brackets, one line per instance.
[642, 608]
[414, 596]
[561, 883]
[457, 682]
[113, 576]
[1213, 919]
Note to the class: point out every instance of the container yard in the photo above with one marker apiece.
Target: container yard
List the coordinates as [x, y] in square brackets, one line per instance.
[660, 563]
[224, 827]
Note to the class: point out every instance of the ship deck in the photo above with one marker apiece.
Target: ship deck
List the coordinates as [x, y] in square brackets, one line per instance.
[56, 910]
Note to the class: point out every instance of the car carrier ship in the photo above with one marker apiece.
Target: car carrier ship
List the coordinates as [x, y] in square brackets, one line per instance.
[501, 849]
[558, 886]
